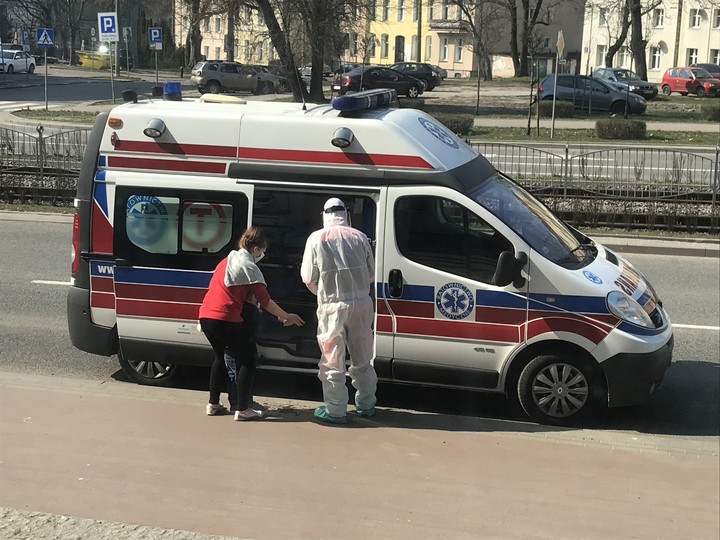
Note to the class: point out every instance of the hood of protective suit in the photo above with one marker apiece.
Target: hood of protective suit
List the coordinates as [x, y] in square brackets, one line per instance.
[338, 216]
[241, 269]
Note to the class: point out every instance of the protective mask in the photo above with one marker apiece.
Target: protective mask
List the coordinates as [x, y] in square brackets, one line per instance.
[259, 257]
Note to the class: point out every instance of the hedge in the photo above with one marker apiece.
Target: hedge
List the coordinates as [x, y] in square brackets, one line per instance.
[460, 124]
[620, 129]
[711, 113]
[563, 109]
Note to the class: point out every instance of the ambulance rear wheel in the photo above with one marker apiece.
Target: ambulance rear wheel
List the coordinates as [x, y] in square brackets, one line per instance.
[148, 372]
[561, 390]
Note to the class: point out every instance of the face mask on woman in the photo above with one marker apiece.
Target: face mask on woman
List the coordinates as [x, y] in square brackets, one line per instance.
[259, 257]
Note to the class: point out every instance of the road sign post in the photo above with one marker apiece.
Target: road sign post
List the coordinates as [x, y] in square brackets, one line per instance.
[108, 31]
[155, 37]
[45, 37]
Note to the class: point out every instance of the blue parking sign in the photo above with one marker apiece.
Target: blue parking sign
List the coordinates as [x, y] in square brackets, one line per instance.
[25, 37]
[107, 26]
[155, 35]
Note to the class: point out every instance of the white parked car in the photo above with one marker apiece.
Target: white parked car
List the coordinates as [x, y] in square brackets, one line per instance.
[16, 61]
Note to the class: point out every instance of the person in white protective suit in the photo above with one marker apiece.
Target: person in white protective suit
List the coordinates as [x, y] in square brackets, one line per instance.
[338, 266]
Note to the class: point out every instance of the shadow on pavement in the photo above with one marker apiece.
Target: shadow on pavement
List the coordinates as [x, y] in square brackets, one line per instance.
[687, 403]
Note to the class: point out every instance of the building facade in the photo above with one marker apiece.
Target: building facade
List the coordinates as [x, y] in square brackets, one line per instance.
[678, 33]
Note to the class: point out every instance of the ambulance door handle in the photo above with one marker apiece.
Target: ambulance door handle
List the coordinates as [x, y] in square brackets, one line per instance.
[395, 283]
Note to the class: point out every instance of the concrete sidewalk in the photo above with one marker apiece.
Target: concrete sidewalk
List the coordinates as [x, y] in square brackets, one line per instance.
[123, 453]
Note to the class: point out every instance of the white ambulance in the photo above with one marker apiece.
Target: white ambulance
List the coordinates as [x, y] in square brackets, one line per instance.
[479, 285]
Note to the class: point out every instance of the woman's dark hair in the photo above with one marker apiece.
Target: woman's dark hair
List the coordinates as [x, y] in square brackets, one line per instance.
[253, 237]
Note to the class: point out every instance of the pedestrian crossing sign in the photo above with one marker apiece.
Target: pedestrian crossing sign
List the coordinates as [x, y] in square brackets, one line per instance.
[45, 37]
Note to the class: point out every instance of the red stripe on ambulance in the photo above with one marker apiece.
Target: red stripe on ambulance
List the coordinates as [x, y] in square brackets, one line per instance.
[158, 310]
[342, 158]
[166, 165]
[457, 329]
[210, 150]
[563, 324]
[160, 293]
[102, 300]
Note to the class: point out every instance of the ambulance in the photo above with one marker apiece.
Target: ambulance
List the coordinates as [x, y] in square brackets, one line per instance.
[478, 284]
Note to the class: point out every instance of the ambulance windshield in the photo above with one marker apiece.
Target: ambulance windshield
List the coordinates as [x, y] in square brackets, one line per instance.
[533, 221]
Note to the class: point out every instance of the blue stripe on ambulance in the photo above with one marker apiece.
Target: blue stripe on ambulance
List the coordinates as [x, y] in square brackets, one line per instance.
[154, 276]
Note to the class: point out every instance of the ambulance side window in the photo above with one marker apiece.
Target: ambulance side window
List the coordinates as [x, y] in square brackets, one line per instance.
[444, 235]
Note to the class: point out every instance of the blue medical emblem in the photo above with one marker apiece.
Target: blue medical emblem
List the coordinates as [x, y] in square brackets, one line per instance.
[438, 132]
[145, 221]
[455, 301]
[592, 277]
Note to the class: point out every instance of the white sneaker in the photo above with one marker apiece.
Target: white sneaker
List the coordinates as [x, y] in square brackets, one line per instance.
[214, 410]
[248, 414]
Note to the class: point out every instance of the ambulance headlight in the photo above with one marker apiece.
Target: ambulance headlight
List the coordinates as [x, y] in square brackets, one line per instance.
[627, 309]
[155, 128]
[342, 138]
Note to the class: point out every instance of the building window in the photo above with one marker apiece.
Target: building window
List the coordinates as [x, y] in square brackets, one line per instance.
[401, 10]
[247, 15]
[206, 52]
[428, 47]
[371, 46]
[654, 57]
[259, 53]
[444, 43]
[716, 18]
[458, 10]
[459, 46]
[260, 18]
[353, 45]
[429, 11]
[217, 24]
[694, 18]
[385, 9]
[416, 5]
[246, 50]
[413, 47]
[217, 53]
[604, 17]
[271, 52]
[601, 53]
[715, 56]
[658, 17]
[445, 10]
[384, 46]
[206, 25]
[692, 56]
[623, 57]
[372, 11]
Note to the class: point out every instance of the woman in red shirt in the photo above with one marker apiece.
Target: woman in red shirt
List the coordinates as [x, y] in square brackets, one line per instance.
[235, 279]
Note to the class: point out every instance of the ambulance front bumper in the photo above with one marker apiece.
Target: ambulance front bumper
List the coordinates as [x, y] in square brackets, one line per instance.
[632, 378]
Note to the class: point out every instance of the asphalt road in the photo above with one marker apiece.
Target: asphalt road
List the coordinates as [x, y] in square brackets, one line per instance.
[34, 340]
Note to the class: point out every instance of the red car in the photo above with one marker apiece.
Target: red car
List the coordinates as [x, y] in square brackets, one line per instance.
[687, 80]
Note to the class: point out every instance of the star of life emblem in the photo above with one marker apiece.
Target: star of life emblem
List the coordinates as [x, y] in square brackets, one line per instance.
[454, 301]
[438, 132]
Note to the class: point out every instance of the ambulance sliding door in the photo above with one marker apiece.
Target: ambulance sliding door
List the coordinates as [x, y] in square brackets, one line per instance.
[167, 241]
[450, 324]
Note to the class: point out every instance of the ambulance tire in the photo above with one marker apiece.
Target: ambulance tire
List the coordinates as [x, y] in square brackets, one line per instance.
[562, 390]
[148, 373]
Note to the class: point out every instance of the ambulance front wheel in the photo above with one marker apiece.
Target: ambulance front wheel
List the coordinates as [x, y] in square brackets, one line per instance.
[561, 390]
[148, 372]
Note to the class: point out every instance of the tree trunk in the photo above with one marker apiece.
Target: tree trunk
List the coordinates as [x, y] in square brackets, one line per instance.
[514, 37]
[615, 47]
[230, 36]
[637, 43]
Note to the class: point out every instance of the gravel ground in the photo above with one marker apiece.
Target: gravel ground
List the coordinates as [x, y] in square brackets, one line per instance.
[19, 525]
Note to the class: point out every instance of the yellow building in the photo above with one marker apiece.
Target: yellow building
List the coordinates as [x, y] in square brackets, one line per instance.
[678, 33]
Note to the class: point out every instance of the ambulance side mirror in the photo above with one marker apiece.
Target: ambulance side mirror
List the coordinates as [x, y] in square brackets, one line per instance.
[508, 269]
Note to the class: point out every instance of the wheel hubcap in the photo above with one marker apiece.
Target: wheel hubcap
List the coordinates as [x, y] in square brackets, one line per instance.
[150, 370]
[560, 390]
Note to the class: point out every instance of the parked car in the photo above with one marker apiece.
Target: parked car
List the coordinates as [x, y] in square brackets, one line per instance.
[368, 77]
[420, 70]
[712, 69]
[590, 94]
[306, 70]
[282, 85]
[687, 80]
[12, 47]
[441, 71]
[345, 67]
[216, 76]
[622, 78]
[16, 61]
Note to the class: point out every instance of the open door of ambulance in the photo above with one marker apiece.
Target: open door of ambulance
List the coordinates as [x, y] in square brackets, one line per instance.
[451, 325]
[166, 244]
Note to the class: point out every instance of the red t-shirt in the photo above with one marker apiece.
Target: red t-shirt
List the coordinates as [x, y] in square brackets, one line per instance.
[226, 303]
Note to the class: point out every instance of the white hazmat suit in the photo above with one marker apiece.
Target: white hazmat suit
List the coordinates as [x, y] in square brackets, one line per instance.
[338, 266]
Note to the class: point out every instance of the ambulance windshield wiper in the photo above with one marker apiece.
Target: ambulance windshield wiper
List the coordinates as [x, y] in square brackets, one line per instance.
[586, 249]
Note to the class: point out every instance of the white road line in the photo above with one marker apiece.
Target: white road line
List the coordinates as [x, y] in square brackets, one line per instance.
[47, 282]
[696, 326]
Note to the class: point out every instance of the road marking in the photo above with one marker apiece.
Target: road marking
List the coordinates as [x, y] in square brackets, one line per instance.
[16, 106]
[696, 326]
[48, 282]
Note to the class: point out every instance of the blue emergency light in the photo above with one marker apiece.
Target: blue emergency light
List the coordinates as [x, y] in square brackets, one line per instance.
[367, 99]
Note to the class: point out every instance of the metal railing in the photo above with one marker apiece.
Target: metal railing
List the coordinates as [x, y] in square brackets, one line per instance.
[642, 187]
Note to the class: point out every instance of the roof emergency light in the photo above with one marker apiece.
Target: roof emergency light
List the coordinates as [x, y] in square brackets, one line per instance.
[342, 138]
[155, 128]
[365, 100]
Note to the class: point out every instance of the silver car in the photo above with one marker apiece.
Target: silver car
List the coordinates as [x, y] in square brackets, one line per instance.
[216, 76]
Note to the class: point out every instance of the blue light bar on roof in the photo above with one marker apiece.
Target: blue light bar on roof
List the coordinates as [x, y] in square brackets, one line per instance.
[367, 99]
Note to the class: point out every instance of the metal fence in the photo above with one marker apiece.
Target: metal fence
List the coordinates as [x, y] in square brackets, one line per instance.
[639, 187]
